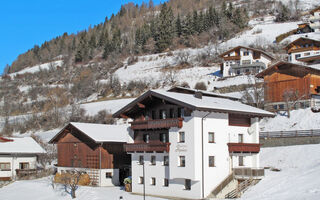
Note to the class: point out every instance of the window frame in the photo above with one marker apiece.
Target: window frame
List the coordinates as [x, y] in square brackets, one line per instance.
[213, 139]
[153, 160]
[164, 161]
[153, 181]
[4, 164]
[165, 182]
[108, 174]
[180, 133]
[187, 184]
[141, 179]
[182, 161]
[210, 163]
[240, 138]
[141, 161]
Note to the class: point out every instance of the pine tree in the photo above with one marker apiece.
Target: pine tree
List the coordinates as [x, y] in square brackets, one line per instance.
[195, 22]
[178, 26]
[165, 28]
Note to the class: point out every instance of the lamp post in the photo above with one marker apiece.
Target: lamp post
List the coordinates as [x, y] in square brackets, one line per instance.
[144, 181]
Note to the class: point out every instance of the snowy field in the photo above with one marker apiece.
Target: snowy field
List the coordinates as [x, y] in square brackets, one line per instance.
[110, 106]
[298, 179]
[37, 68]
[302, 119]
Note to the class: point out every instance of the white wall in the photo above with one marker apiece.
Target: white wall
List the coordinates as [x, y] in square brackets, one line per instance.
[14, 164]
[103, 181]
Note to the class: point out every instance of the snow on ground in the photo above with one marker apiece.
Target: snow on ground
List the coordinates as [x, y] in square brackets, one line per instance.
[299, 176]
[303, 4]
[42, 189]
[37, 68]
[111, 106]
[302, 119]
[261, 34]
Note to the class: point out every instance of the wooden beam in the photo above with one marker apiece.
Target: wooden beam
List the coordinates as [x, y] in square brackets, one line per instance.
[140, 105]
[124, 116]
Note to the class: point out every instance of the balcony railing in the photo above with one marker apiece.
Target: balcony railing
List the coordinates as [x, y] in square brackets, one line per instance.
[145, 147]
[243, 147]
[249, 65]
[231, 58]
[157, 123]
[246, 172]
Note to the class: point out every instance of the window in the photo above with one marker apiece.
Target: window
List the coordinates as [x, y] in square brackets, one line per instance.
[141, 180]
[211, 161]
[307, 54]
[164, 137]
[23, 165]
[275, 107]
[281, 106]
[187, 184]
[181, 138]
[240, 138]
[153, 160]
[5, 167]
[181, 112]
[153, 181]
[146, 138]
[165, 182]
[297, 56]
[163, 114]
[182, 161]
[171, 113]
[238, 72]
[108, 175]
[246, 62]
[166, 160]
[141, 160]
[241, 161]
[246, 53]
[211, 137]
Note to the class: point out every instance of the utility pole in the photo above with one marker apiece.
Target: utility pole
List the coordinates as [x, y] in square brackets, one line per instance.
[144, 182]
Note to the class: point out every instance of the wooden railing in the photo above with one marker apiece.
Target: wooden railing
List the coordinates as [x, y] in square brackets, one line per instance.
[222, 185]
[157, 123]
[245, 172]
[244, 147]
[231, 58]
[287, 134]
[27, 172]
[147, 147]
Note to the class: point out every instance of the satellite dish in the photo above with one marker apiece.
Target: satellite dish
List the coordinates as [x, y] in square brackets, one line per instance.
[250, 130]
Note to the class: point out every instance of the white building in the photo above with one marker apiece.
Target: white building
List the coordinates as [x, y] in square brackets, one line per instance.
[304, 51]
[96, 149]
[244, 60]
[17, 154]
[187, 143]
[315, 19]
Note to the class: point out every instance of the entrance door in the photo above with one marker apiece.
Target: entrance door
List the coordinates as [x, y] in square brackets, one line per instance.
[124, 172]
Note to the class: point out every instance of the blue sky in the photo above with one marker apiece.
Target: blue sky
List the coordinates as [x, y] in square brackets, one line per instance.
[25, 23]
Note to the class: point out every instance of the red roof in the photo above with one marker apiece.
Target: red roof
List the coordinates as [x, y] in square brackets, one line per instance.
[3, 139]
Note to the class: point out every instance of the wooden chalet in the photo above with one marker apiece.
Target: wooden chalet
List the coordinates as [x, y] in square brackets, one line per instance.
[96, 149]
[284, 76]
[304, 50]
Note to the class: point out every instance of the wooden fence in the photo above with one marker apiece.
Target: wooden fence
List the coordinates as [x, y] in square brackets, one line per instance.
[287, 134]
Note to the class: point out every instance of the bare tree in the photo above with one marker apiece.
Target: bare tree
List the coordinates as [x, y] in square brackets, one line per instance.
[291, 97]
[183, 57]
[71, 180]
[169, 76]
[254, 94]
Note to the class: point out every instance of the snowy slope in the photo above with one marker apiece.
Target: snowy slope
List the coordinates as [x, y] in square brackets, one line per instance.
[302, 119]
[299, 176]
[37, 68]
[110, 106]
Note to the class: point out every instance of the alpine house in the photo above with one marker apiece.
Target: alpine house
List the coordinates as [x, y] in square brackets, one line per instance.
[187, 142]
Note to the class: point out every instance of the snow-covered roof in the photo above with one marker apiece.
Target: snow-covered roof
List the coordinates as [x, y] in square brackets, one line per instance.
[100, 132]
[25, 145]
[205, 103]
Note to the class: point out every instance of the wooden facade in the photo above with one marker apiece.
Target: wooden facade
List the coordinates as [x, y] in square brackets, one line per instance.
[75, 149]
[283, 77]
[302, 44]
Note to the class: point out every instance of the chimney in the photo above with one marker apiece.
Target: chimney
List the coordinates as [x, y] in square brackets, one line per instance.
[198, 94]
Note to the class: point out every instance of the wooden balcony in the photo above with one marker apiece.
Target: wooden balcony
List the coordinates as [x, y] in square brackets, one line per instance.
[147, 147]
[302, 49]
[157, 123]
[231, 58]
[243, 148]
[246, 173]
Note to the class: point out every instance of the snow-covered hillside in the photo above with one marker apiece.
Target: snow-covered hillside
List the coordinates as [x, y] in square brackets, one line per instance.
[299, 176]
[36, 68]
[302, 119]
